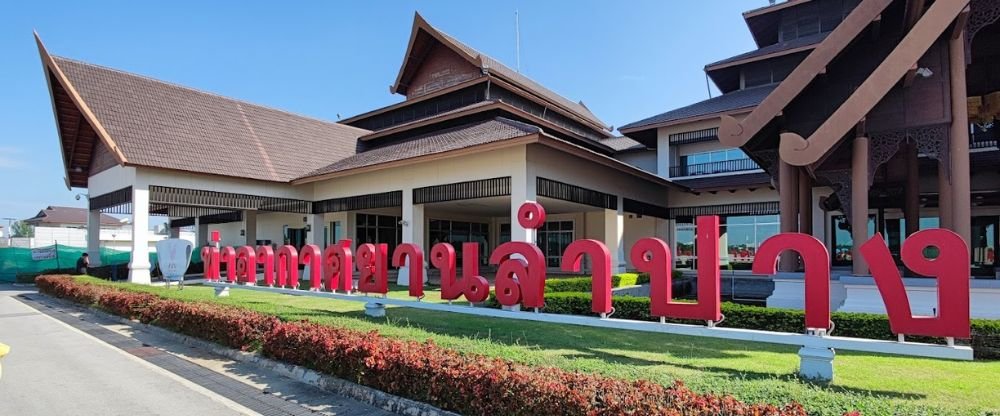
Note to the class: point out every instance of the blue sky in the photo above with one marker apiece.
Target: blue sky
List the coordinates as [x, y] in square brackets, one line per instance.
[625, 60]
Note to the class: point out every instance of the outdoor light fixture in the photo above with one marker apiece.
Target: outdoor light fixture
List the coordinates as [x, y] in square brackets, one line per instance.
[309, 227]
[404, 223]
[925, 72]
[243, 233]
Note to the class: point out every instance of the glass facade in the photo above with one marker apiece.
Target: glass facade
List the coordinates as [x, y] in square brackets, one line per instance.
[739, 237]
[379, 229]
[553, 238]
[458, 232]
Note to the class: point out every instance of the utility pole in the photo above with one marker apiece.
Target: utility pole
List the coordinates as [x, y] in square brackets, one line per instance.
[517, 41]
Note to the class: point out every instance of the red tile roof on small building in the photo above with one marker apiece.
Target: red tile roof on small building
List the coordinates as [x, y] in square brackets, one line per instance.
[54, 215]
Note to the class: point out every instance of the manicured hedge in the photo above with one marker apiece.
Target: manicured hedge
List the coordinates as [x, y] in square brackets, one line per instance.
[468, 384]
[583, 283]
[985, 333]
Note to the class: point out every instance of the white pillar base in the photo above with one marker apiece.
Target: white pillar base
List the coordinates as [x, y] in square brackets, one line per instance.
[513, 308]
[375, 310]
[816, 363]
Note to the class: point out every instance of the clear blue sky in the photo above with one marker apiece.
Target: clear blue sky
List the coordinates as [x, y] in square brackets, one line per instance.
[625, 60]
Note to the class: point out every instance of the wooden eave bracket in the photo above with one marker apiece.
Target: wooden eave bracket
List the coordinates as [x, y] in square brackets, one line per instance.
[798, 151]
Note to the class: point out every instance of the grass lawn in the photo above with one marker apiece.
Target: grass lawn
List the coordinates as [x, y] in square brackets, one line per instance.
[753, 372]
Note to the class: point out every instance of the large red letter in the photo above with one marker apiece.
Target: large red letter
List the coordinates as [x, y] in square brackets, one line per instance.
[210, 263]
[412, 253]
[372, 266]
[601, 274]
[652, 256]
[817, 269]
[288, 267]
[313, 257]
[265, 256]
[951, 268]
[246, 264]
[443, 259]
[338, 268]
[228, 256]
[476, 288]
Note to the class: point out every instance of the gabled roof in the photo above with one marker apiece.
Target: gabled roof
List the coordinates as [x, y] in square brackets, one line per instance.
[803, 44]
[413, 59]
[68, 215]
[148, 122]
[723, 104]
[623, 144]
[726, 182]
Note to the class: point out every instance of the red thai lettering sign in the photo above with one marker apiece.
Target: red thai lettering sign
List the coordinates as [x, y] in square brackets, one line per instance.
[521, 272]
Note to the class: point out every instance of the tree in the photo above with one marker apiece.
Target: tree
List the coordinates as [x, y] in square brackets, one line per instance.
[22, 229]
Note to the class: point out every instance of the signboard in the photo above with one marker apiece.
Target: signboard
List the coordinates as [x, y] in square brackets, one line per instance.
[43, 253]
[521, 273]
[174, 257]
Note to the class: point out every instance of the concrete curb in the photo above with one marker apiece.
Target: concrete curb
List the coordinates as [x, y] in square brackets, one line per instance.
[301, 374]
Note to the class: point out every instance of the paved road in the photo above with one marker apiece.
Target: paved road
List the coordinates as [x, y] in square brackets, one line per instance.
[54, 369]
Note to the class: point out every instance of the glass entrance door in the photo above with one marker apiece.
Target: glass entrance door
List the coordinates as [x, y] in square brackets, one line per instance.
[984, 245]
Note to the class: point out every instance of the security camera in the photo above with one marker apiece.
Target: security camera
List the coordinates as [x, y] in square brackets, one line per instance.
[77, 197]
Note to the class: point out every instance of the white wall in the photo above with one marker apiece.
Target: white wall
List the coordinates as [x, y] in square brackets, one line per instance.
[642, 159]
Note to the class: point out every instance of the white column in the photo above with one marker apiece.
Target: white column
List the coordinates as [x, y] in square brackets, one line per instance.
[663, 157]
[614, 233]
[413, 232]
[313, 236]
[250, 227]
[138, 268]
[94, 237]
[522, 189]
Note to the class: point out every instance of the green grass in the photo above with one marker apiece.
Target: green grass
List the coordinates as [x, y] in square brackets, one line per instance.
[754, 372]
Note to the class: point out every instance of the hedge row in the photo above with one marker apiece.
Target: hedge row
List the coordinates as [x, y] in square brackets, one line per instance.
[469, 384]
[583, 283]
[985, 332]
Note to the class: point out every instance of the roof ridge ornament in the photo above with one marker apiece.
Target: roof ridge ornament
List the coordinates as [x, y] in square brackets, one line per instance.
[736, 133]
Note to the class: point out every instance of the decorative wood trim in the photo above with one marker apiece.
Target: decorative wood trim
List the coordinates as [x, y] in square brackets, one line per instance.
[359, 202]
[572, 193]
[482, 188]
[645, 208]
[735, 133]
[410, 101]
[51, 65]
[110, 201]
[799, 151]
[764, 57]
[169, 196]
[733, 112]
[746, 208]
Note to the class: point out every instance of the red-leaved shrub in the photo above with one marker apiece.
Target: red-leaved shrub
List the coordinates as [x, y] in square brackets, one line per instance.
[468, 384]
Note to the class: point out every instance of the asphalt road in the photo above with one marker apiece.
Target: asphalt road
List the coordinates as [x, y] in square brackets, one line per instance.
[54, 369]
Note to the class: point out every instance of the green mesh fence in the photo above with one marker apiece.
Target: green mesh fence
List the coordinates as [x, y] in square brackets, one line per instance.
[17, 265]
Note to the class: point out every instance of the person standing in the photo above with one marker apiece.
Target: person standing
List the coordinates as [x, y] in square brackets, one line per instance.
[83, 263]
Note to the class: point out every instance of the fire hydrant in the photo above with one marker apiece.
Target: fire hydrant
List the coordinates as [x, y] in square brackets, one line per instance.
[4, 349]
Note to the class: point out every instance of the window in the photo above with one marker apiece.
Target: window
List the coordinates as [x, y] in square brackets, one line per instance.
[703, 163]
[458, 232]
[378, 229]
[553, 238]
[739, 237]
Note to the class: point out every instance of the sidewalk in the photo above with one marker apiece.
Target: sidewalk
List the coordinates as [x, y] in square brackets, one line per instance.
[65, 360]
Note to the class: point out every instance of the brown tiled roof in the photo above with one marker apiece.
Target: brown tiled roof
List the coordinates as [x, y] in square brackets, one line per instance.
[164, 125]
[623, 144]
[68, 215]
[735, 100]
[726, 182]
[803, 42]
[456, 138]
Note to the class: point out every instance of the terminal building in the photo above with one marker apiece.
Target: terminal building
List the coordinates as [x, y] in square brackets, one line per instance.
[874, 112]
